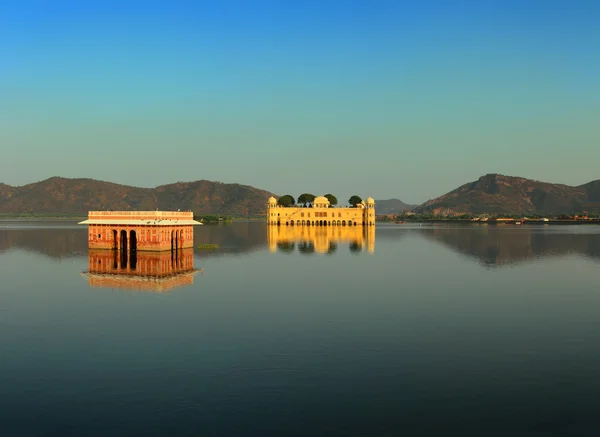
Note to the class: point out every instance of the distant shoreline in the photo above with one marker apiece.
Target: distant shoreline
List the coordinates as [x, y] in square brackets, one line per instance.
[501, 223]
[38, 218]
[16, 217]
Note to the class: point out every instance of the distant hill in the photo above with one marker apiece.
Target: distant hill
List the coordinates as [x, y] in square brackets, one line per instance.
[78, 196]
[392, 206]
[499, 194]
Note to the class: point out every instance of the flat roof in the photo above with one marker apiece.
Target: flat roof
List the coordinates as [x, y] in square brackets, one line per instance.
[153, 222]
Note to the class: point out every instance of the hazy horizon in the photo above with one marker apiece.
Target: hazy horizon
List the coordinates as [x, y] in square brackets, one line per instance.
[392, 100]
[342, 199]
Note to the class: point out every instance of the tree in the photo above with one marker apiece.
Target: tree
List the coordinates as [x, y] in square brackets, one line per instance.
[354, 200]
[306, 248]
[286, 247]
[332, 199]
[355, 247]
[332, 248]
[306, 198]
[286, 200]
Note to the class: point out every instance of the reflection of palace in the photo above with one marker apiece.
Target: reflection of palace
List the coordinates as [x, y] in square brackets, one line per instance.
[320, 239]
[143, 271]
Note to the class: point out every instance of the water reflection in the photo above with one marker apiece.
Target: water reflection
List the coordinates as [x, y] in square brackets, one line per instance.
[498, 246]
[56, 239]
[60, 239]
[141, 271]
[320, 239]
[490, 245]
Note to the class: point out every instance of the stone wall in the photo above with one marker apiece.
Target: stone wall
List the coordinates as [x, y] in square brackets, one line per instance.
[145, 237]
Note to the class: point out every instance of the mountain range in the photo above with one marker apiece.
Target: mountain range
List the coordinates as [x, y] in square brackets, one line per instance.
[78, 196]
[392, 206]
[492, 194]
[499, 194]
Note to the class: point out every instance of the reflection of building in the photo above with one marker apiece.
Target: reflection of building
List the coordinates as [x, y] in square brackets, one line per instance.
[156, 271]
[140, 230]
[321, 214]
[320, 239]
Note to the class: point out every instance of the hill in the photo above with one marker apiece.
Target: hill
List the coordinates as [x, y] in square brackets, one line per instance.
[78, 196]
[498, 194]
[392, 206]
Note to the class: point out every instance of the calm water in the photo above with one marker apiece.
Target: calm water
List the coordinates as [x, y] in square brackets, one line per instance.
[431, 330]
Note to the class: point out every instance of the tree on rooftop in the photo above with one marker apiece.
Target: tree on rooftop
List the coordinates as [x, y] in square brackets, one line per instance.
[354, 200]
[305, 198]
[286, 200]
[332, 199]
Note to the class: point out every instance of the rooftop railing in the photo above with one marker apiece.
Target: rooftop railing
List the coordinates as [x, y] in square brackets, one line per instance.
[132, 214]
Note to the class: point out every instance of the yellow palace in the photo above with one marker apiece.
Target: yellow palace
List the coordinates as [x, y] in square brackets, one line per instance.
[321, 214]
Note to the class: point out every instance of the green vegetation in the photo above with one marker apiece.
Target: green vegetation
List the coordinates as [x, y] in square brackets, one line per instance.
[213, 218]
[287, 200]
[208, 246]
[354, 200]
[306, 198]
[332, 199]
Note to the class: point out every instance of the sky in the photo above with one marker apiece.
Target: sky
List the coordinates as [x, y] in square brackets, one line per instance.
[389, 99]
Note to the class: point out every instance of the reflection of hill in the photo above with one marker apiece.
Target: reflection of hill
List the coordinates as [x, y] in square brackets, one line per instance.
[58, 241]
[234, 238]
[63, 240]
[501, 245]
[141, 271]
[320, 239]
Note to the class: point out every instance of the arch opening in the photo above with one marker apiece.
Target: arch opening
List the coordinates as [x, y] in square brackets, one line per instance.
[133, 240]
[124, 241]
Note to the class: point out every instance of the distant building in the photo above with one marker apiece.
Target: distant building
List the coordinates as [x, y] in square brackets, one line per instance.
[321, 214]
[140, 230]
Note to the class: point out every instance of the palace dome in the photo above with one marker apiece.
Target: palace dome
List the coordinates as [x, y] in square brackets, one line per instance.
[370, 200]
[321, 199]
[272, 200]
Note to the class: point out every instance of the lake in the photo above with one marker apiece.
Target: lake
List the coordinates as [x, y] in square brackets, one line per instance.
[405, 330]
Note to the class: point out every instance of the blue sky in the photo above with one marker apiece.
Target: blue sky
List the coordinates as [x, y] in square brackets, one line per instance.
[383, 98]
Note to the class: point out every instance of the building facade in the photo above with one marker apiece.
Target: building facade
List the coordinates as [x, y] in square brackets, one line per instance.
[321, 214]
[140, 230]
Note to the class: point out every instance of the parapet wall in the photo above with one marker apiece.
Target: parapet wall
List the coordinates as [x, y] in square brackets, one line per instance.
[140, 215]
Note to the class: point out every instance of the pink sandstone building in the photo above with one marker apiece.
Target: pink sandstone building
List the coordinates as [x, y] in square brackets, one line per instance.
[140, 230]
